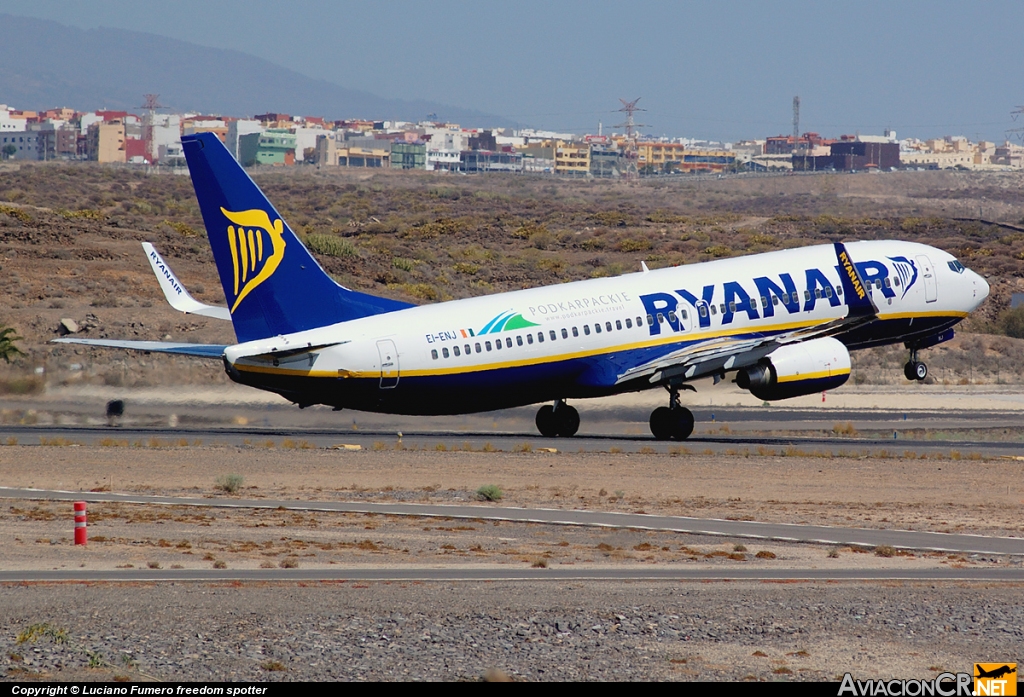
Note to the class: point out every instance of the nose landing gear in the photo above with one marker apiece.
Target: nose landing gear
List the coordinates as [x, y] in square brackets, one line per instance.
[674, 422]
[914, 369]
[558, 420]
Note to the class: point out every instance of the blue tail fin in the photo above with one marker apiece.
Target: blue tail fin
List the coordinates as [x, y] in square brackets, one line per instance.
[272, 284]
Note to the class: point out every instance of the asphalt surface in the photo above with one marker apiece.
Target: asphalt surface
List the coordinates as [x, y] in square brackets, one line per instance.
[508, 441]
[900, 539]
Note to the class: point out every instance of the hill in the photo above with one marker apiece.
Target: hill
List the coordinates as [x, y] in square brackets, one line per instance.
[46, 64]
[70, 233]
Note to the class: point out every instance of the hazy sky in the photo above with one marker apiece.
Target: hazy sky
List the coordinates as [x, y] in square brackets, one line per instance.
[720, 70]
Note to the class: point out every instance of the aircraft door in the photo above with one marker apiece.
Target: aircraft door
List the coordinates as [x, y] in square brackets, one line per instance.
[389, 368]
[928, 277]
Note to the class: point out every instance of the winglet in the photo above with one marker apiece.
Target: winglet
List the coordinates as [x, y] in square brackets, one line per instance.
[179, 298]
[854, 290]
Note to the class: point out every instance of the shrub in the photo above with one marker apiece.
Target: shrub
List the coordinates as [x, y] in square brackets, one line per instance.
[885, 551]
[1011, 322]
[489, 492]
[230, 482]
[330, 245]
[7, 348]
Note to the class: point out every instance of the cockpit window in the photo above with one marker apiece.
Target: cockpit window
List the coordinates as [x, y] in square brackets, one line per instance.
[956, 266]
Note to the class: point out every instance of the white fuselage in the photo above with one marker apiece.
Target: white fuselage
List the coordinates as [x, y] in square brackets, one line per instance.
[576, 339]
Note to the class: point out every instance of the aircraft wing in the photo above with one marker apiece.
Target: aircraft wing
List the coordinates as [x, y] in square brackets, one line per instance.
[177, 296]
[716, 355]
[182, 349]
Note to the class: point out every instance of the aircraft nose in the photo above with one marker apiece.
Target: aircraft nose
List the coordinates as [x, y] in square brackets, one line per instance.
[981, 288]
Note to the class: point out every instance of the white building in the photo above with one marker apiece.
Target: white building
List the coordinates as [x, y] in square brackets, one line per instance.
[241, 127]
[166, 135]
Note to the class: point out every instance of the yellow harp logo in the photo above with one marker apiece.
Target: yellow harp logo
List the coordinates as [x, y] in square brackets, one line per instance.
[257, 248]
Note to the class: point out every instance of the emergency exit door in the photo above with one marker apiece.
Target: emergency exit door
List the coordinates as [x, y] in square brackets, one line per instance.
[388, 363]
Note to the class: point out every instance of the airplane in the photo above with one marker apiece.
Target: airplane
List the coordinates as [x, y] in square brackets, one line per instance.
[995, 672]
[783, 323]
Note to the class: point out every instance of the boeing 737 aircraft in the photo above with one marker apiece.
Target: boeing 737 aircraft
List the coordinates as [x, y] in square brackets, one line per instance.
[783, 322]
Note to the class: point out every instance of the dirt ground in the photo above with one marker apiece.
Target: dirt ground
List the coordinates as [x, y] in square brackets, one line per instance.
[963, 496]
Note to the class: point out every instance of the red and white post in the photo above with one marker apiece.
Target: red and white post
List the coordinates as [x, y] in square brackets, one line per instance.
[81, 532]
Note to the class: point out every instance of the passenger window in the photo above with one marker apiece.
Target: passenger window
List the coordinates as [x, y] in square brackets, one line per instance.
[887, 282]
[467, 350]
[575, 331]
[828, 291]
[722, 308]
[714, 310]
[703, 311]
[608, 326]
[586, 329]
[817, 292]
[597, 328]
[807, 295]
[433, 354]
[661, 318]
[529, 338]
[497, 344]
[478, 348]
[764, 301]
[444, 352]
[650, 320]
[732, 307]
[775, 300]
[839, 290]
[629, 323]
[639, 322]
[896, 282]
[540, 337]
[618, 324]
[565, 333]
[553, 335]
[519, 340]
[487, 345]
[455, 350]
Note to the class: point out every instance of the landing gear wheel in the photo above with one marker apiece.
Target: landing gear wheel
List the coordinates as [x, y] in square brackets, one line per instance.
[546, 423]
[661, 423]
[552, 423]
[671, 424]
[915, 371]
[568, 420]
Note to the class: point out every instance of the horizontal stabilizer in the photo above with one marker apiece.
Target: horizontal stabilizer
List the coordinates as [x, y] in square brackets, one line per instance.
[179, 298]
[181, 349]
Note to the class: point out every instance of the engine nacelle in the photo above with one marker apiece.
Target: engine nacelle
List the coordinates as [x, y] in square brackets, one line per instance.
[798, 369]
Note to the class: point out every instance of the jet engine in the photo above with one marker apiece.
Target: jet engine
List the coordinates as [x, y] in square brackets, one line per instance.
[797, 369]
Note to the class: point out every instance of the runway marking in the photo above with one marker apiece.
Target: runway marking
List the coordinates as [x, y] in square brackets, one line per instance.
[822, 534]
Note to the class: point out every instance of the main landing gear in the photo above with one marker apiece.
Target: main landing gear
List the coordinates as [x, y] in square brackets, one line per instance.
[674, 422]
[558, 420]
[914, 369]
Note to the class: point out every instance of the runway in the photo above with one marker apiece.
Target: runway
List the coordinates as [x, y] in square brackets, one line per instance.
[736, 440]
[900, 539]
